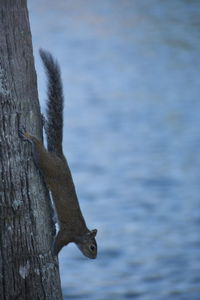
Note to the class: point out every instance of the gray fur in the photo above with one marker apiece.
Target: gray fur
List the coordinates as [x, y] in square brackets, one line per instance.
[55, 103]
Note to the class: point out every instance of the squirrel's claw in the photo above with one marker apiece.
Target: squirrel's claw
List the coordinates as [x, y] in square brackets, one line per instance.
[22, 133]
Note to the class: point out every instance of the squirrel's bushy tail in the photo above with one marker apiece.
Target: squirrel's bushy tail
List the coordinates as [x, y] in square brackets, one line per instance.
[55, 103]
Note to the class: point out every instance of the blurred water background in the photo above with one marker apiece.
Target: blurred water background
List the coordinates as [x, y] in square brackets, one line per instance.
[131, 73]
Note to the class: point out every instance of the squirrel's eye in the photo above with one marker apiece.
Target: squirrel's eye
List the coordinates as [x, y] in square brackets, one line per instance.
[92, 248]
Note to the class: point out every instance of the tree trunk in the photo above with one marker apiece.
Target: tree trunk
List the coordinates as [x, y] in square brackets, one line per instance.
[27, 268]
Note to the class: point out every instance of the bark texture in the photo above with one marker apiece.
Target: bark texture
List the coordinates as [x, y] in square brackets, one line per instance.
[27, 268]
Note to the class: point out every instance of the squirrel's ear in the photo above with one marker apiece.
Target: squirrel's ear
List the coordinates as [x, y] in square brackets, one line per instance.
[93, 232]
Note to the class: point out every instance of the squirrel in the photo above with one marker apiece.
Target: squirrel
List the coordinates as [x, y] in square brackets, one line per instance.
[55, 170]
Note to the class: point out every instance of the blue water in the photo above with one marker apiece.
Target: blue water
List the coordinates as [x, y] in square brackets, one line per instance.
[131, 73]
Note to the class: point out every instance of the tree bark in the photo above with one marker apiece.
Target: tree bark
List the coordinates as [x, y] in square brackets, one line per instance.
[27, 268]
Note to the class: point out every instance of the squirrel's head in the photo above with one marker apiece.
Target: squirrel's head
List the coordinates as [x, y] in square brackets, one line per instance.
[87, 243]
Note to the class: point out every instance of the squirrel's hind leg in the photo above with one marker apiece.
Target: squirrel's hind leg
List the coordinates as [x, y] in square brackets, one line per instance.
[42, 158]
[24, 135]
